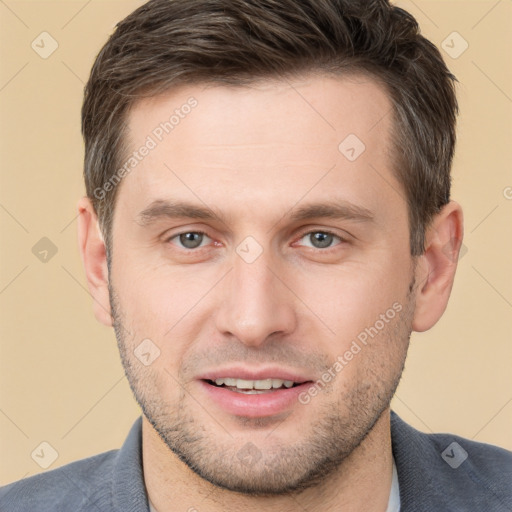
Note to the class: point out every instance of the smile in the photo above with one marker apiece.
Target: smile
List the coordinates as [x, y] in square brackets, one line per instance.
[253, 386]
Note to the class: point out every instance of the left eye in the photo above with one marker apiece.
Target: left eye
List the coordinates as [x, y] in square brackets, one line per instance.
[189, 240]
[320, 239]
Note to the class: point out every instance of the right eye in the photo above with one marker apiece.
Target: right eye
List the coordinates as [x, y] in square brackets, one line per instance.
[189, 239]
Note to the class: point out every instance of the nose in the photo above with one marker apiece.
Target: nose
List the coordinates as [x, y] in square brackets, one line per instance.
[255, 302]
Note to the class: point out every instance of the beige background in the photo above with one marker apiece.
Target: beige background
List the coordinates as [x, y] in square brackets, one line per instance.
[60, 376]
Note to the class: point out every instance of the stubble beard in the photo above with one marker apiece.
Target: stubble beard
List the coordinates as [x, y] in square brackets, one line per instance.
[276, 468]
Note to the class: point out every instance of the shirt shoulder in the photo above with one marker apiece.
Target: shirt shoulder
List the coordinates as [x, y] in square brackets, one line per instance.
[109, 482]
[450, 472]
[81, 486]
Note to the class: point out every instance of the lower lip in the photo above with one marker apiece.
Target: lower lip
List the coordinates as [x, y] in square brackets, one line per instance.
[254, 405]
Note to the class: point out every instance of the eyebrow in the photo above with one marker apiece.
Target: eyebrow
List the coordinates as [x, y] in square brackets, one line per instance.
[339, 210]
[174, 209]
[333, 210]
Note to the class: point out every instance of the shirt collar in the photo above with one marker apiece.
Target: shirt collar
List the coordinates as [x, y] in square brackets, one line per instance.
[128, 489]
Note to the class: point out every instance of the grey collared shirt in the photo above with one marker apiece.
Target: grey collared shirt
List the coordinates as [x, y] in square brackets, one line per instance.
[436, 473]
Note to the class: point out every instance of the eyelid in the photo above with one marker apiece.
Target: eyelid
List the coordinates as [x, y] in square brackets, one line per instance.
[182, 230]
[327, 231]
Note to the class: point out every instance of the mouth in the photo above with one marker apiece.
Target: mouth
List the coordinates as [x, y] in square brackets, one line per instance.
[253, 394]
[253, 387]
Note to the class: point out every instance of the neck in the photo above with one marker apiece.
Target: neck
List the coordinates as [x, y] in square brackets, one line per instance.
[361, 483]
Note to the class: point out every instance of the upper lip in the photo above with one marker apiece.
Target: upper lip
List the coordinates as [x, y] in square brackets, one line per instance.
[245, 373]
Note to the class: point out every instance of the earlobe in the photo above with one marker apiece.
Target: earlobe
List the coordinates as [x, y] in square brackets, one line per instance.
[435, 271]
[94, 258]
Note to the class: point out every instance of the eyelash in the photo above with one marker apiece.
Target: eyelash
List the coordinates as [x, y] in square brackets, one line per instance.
[302, 235]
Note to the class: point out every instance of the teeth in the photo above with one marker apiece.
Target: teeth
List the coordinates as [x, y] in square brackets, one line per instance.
[254, 384]
[244, 384]
[277, 383]
[262, 384]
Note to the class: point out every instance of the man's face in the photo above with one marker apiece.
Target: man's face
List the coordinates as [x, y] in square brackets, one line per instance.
[301, 271]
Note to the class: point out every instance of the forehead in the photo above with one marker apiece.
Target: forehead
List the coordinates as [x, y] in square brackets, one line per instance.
[317, 104]
[268, 143]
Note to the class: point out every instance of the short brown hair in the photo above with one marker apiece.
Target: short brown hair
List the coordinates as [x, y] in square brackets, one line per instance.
[166, 43]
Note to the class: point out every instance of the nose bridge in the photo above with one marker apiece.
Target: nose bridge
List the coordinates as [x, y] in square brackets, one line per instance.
[255, 304]
[254, 282]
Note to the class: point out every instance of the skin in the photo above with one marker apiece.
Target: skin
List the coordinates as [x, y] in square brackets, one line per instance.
[254, 156]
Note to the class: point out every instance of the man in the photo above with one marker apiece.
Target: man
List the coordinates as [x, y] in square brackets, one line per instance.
[267, 220]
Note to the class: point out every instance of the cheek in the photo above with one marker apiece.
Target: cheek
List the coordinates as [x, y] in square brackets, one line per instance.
[348, 300]
[156, 295]
[370, 350]
[166, 306]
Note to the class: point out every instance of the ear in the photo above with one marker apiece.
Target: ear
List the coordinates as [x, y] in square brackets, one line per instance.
[436, 267]
[94, 258]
